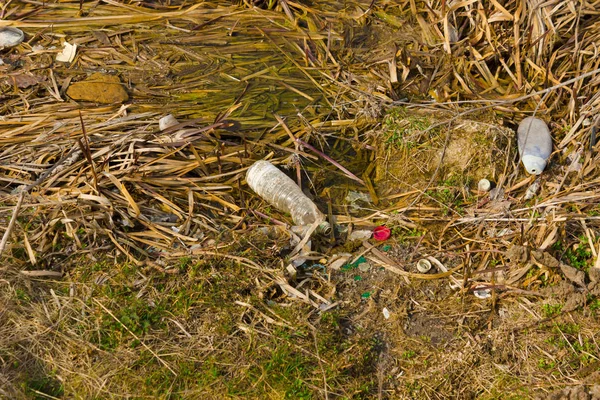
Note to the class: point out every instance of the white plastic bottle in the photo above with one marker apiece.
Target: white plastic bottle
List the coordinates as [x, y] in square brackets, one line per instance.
[535, 144]
[281, 192]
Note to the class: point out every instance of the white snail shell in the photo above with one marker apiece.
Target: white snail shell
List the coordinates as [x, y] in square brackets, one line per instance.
[535, 144]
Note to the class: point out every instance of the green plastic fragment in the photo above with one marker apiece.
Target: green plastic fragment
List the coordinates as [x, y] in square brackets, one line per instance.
[355, 264]
[366, 295]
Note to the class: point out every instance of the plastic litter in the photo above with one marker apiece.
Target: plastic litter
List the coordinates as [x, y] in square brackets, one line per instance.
[281, 192]
[481, 292]
[353, 198]
[166, 122]
[423, 266]
[354, 264]
[360, 234]
[68, 53]
[10, 37]
[364, 267]
[386, 313]
[532, 189]
[382, 233]
[535, 144]
[484, 185]
[339, 260]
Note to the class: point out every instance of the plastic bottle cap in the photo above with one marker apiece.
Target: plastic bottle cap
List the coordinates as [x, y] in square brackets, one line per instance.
[484, 185]
[423, 266]
[324, 228]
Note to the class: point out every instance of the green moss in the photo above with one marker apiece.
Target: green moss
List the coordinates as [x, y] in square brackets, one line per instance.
[40, 387]
[577, 255]
[402, 130]
[550, 310]
[134, 316]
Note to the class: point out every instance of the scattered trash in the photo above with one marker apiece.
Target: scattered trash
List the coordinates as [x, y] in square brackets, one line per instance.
[496, 233]
[10, 37]
[423, 266]
[382, 233]
[291, 271]
[166, 122]
[575, 164]
[355, 264]
[482, 292]
[357, 278]
[68, 53]
[387, 247]
[354, 197]
[532, 190]
[453, 35]
[326, 306]
[339, 260]
[386, 313]
[497, 193]
[535, 144]
[300, 259]
[484, 185]
[365, 295]
[361, 234]
[281, 192]
[99, 88]
[310, 269]
[364, 267]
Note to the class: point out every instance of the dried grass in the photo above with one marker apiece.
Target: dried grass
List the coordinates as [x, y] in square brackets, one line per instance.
[248, 83]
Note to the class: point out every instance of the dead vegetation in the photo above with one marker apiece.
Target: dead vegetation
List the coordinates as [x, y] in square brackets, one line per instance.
[137, 263]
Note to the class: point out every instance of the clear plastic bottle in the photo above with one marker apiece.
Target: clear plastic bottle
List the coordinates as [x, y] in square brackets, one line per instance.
[535, 144]
[281, 192]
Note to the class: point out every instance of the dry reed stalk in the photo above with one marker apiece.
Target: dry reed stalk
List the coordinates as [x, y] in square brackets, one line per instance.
[224, 71]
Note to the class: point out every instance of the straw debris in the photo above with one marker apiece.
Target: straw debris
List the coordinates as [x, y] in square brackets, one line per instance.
[137, 262]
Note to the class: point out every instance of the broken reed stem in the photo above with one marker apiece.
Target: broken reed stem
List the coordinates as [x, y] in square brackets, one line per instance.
[501, 102]
[332, 161]
[85, 148]
[12, 222]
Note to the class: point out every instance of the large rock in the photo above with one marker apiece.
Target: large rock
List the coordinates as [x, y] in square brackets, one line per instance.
[99, 88]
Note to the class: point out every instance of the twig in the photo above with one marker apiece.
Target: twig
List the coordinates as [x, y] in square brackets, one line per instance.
[85, 148]
[42, 273]
[12, 222]
[332, 161]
